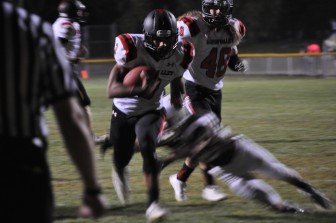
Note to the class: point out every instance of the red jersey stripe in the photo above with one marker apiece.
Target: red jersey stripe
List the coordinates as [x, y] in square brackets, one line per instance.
[128, 44]
[188, 49]
[193, 27]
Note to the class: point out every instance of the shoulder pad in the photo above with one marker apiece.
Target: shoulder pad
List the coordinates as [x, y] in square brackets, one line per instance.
[238, 25]
[127, 50]
[191, 24]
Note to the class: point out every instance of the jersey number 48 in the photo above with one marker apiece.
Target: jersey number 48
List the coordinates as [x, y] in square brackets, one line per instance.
[216, 66]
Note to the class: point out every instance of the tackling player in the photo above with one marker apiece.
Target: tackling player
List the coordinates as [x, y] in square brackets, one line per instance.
[233, 158]
[137, 112]
[215, 35]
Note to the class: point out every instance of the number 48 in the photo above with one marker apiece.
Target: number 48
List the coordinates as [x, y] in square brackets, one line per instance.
[216, 66]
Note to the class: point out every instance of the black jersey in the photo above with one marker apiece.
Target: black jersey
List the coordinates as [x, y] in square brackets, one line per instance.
[33, 72]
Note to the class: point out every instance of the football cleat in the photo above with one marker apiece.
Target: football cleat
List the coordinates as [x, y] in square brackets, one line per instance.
[320, 199]
[213, 193]
[104, 146]
[156, 213]
[289, 207]
[179, 188]
[99, 139]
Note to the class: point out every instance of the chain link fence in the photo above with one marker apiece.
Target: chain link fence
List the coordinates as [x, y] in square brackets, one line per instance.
[100, 43]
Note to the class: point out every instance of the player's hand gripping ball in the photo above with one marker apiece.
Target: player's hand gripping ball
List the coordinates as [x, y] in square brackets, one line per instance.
[143, 79]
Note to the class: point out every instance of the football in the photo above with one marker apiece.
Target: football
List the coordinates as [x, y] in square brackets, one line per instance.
[135, 77]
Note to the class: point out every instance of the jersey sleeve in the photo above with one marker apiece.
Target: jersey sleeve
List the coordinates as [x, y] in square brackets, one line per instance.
[65, 30]
[124, 49]
[186, 51]
[187, 27]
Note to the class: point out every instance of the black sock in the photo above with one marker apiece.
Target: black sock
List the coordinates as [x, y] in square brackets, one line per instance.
[184, 173]
[153, 195]
[208, 178]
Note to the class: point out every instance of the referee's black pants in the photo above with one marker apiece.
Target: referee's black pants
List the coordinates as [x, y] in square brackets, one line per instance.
[25, 182]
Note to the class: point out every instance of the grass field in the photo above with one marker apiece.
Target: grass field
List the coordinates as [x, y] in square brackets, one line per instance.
[294, 117]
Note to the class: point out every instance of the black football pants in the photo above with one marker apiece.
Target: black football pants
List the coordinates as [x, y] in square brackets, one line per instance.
[125, 129]
[204, 99]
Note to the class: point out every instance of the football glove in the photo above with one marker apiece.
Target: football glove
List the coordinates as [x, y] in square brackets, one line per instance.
[237, 64]
[242, 66]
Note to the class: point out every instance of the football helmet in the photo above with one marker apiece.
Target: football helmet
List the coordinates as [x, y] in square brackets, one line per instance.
[160, 26]
[73, 9]
[225, 12]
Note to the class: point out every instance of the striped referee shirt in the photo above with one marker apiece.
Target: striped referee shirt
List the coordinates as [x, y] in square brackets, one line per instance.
[34, 73]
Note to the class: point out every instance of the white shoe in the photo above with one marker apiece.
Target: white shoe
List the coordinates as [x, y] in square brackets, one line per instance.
[99, 139]
[213, 193]
[156, 213]
[121, 185]
[179, 188]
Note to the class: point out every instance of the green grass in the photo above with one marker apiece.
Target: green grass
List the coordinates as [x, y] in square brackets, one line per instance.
[293, 117]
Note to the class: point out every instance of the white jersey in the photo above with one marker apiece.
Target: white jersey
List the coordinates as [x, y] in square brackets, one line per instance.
[130, 52]
[212, 50]
[174, 115]
[183, 123]
[66, 28]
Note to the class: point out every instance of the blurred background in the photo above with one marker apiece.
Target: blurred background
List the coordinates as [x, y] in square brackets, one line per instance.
[272, 25]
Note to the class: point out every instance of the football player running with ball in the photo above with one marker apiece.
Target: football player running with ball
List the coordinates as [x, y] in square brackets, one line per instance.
[215, 35]
[137, 111]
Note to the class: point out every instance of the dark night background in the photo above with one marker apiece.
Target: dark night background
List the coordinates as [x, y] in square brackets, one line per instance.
[281, 23]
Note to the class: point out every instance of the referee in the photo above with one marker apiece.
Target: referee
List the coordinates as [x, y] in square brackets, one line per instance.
[34, 74]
